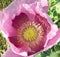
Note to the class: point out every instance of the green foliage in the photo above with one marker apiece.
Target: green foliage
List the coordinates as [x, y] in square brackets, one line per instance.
[54, 13]
[4, 3]
[3, 44]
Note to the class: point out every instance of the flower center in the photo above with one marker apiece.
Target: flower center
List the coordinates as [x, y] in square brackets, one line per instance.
[30, 33]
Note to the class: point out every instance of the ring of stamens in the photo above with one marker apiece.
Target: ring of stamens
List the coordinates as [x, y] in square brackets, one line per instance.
[30, 34]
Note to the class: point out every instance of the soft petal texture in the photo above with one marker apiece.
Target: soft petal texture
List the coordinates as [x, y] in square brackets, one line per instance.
[9, 53]
[42, 3]
[9, 30]
[19, 20]
[20, 51]
[53, 41]
[15, 3]
[54, 27]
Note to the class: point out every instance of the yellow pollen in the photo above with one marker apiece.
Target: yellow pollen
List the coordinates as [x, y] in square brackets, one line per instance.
[30, 33]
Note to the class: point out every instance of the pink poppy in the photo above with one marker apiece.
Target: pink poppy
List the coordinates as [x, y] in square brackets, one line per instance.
[28, 27]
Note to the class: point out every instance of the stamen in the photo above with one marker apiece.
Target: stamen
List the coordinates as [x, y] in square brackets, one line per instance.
[30, 34]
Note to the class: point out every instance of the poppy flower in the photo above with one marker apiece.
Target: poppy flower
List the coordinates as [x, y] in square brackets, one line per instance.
[28, 28]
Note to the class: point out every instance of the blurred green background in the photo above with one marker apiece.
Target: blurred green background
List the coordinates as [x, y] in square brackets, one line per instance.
[54, 13]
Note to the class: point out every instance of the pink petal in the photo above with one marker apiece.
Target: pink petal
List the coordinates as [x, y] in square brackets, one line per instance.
[8, 29]
[54, 27]
[53, 41]
[9, 53]
[28, 1]
[12, 9]
[44, 22]
[19, 20]
[20, 51]
[15, 8]
[44, 4]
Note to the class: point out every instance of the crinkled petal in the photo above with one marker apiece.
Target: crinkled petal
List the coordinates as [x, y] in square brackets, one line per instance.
[9, 53]
[28, 1]
[15, 8]
[20, 51]
[54, 27]
[8, 29]
[19, 20]
[44, 4]
[53, 41]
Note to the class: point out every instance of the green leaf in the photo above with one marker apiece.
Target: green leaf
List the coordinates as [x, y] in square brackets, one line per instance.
[38, 55]
[58, 8]
[55, 54]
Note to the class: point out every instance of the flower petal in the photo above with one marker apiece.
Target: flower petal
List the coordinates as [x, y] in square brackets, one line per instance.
[53, 41]
[12, 9]
[19, 20]
[19, 51]
[8, 29]
[15, 8]
[54, 27]
[29, 1]
[44, 4]
[9, 53]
